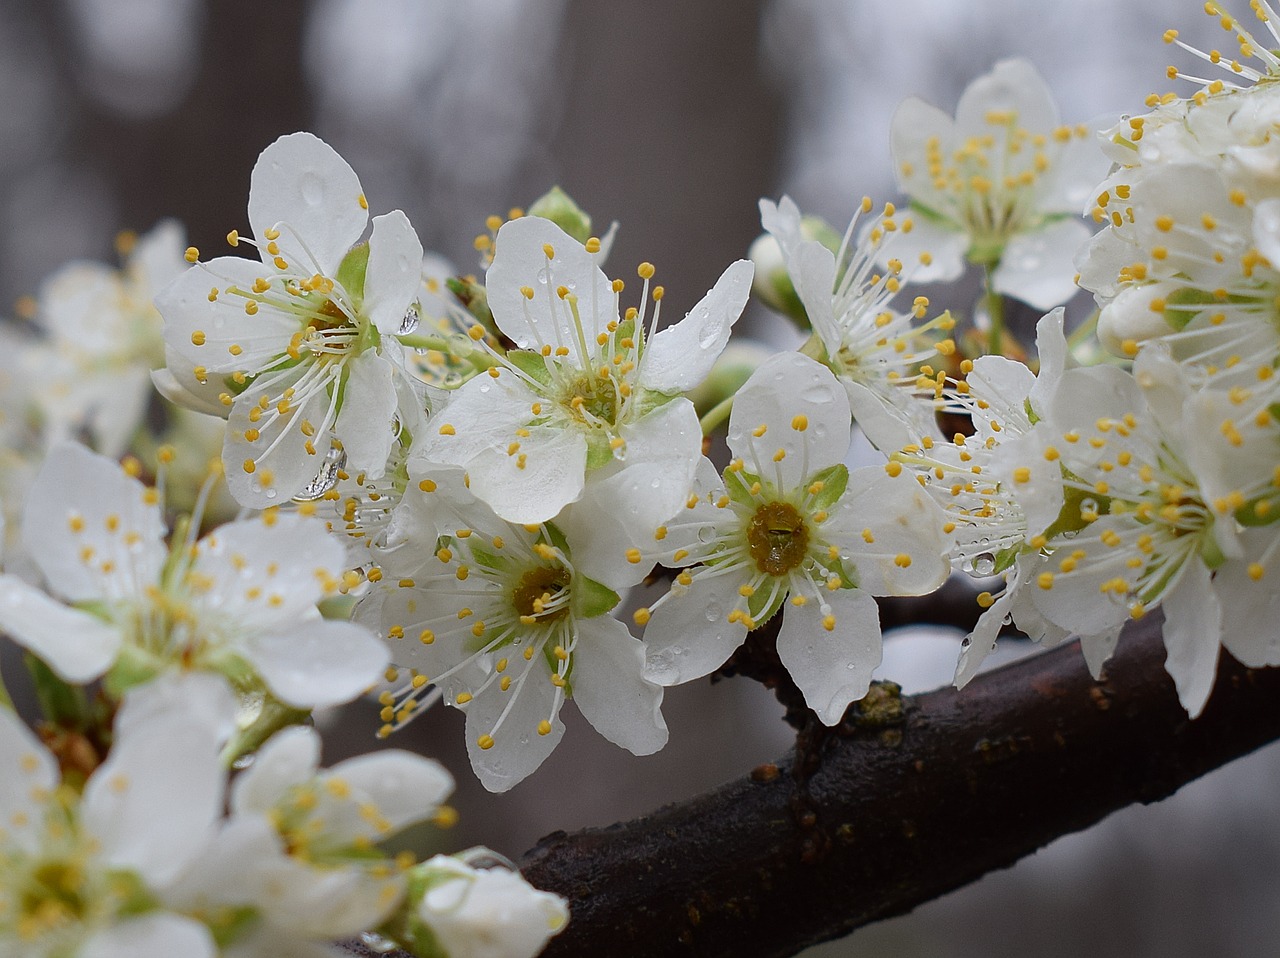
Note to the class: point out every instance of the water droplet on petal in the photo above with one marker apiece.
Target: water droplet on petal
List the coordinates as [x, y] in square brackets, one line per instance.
[543, 276]
[411, 320]
[714, 612]
[817, 394]
[706, 533]
[325, 479]
[376, 943]
[984, 564]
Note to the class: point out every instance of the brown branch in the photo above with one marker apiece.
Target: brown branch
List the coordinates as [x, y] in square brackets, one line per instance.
[904, 806]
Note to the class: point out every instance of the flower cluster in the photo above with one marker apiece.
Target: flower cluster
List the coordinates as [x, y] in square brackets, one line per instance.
[446, 488]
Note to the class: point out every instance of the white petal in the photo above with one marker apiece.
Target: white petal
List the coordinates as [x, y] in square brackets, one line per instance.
[903, 521]
[832, 668]
[1098, 648]
[280, 452]
[1251, 607]
[338, 901]
[1039, 267]
[785, 386]
[1051, 348]
[405, 788]
[914, 124]
[520, 261]
[945, 245]
[365, 423]
[84, 501]
[153, 804]
[610, 689]
[76, 645]
[981, 642]
[518, 749]
[152, 935]
[680, 356]
[1073, 181]
[204, 697]
[1012, 86]
[283, 561]
[813, 273]
[318, 663]
[302, 187]
[624, 503]
[1192, 628]
[31, 774]
[394, 273]
[553, 476]
[288, 759]
[689, 634]
[190, 318]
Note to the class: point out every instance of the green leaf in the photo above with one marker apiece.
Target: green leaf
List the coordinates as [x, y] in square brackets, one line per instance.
[591, 598]
[531, 364]
[834, 481]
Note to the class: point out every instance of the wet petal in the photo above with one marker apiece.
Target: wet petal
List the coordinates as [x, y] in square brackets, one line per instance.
[832, 668]
[610, 689]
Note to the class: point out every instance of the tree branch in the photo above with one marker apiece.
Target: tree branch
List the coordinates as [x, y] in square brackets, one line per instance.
[912, 798]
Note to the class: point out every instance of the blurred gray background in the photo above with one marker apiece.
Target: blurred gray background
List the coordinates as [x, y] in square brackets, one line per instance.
[673, 118]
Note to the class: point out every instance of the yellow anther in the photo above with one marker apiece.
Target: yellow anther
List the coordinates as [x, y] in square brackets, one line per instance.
[485, 742]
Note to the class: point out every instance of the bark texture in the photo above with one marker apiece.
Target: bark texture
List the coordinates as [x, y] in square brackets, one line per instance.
[911, 797]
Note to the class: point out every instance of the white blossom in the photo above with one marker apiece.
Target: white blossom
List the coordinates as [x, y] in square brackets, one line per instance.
[299, 350]
[240, 601]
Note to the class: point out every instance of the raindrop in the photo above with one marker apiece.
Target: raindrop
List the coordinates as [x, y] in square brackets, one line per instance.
[411, 319]
[706, 533]
[984, 564]
[326, 478]
[817, 394]
[376, 943]
[1087, 507]
[270, 493]
[452, 380]
[543, 276]
[714, 612]
[620, 453]
[244, 761]
[965, 643]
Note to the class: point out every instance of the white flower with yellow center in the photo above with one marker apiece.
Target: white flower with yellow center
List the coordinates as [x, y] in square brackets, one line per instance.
[789, 526]
[104, 338]
[586, 384]
[1002, 183]
[506, 623]
[241, 601]
[1149, 530]
[1187, 261]
[84, 874]
[298, 859]
[298, 350]
[873, 349]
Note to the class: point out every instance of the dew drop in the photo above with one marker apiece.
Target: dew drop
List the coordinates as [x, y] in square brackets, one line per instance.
[620, 454]
[543, 276]
[984, 564]
[816, 394]
[312, 187]
[706, 533]
[244, 761]
[714, 612]
[270, 493]
[376, 943]
[325, 479]
[411, 319]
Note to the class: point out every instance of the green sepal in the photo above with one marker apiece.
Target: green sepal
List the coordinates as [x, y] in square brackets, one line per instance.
[591, 598]
[62, 703]
[599, 454]
[761, 609]
[132, 667]
[337, 607]
[738, 483]
[486, 559]
[1210, 551]
[557, 206]
[834, 482]
[645, 401]
[352, 269]
[531, 364]
[474, 298]
[1247, 515]
[1069, 518]
[1005, 559]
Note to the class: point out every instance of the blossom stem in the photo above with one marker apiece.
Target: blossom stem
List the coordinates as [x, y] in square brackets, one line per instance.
[476, 357]
[6, 700]
[274, 716]
[716, 415]
[995, 315]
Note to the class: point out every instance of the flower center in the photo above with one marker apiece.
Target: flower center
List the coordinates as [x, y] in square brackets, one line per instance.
[542, 594]
[592, 401]
[777, 538]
